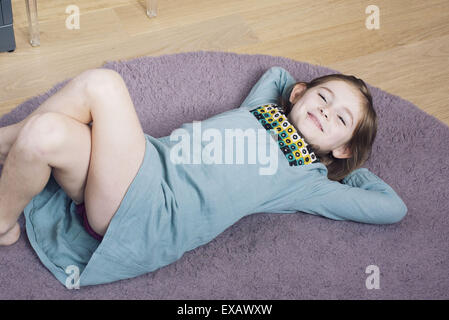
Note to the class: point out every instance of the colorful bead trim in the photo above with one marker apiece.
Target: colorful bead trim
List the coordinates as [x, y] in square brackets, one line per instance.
[295, 148]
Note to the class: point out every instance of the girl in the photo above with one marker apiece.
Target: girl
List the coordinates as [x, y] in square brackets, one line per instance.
[107, 202]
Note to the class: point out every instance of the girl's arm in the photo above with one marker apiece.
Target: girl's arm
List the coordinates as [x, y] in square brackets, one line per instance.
[362, 197]
[275, 82]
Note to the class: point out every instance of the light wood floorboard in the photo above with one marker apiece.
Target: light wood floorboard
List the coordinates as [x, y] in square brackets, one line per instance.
[408, 56]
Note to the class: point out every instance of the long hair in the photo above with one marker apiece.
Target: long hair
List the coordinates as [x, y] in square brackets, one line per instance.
[364, 133]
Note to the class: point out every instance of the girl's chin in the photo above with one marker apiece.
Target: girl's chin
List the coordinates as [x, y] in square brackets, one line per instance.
[306, 132]
[310, 133]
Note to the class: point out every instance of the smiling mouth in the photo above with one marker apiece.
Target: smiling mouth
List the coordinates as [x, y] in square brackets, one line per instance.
[315, 120]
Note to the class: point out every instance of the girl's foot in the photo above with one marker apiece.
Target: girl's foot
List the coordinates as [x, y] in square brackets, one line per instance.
[2, 157]
[11, 236]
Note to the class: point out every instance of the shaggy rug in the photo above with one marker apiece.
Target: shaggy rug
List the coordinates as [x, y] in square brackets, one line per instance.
[270, 256]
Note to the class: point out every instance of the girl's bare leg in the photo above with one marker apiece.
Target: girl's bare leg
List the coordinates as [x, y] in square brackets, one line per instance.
[47, 141]
[115, 127]
[69, 100]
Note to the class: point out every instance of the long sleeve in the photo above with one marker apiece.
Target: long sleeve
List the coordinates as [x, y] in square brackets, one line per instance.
[362, 197]
[273, 84]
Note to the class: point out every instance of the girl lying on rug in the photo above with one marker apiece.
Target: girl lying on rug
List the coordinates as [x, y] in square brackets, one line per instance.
[104, 201]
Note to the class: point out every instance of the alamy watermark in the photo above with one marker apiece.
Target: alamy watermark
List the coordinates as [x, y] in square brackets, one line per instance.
[190, 149]
[373, 280]
[73, 20]
[373, 20]
[73, 279]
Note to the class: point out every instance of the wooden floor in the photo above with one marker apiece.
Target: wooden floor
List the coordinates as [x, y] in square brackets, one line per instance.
[408, 56]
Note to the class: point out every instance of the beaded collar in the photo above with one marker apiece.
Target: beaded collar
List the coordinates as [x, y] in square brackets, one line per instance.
[292, 144]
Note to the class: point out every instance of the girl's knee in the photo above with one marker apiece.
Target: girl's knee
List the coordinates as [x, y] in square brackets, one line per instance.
[101, 81]
[42, 134]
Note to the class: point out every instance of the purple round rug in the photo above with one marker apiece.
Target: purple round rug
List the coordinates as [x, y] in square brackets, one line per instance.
[269, 256]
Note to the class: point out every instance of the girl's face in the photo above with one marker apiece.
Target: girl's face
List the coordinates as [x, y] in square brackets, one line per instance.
[326, 115]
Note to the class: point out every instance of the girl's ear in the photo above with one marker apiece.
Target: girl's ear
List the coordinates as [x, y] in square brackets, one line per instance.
[297, 91]
[342, 152]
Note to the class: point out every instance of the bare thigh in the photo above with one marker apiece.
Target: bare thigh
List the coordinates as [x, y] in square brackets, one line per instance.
[117, 150]
[71, 163]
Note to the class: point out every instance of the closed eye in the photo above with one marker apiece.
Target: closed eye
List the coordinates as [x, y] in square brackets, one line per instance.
[322, 97]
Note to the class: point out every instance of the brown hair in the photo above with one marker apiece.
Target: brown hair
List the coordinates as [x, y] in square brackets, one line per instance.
[364, 133]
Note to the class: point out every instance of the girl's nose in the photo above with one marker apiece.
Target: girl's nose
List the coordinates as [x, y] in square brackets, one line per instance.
[323, 112]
